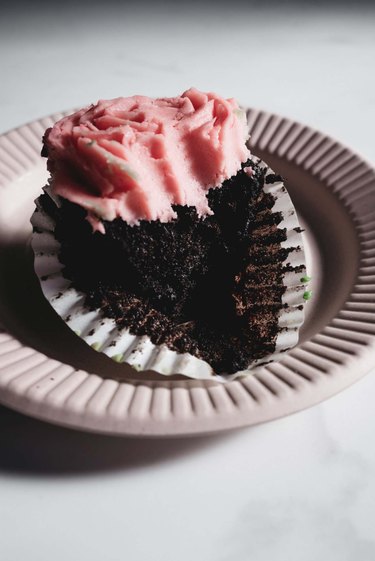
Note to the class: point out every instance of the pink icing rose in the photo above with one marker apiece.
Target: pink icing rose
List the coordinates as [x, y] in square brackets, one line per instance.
[135, 157]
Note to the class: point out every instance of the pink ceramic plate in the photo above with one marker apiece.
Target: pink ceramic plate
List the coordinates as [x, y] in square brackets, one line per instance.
[48, 372]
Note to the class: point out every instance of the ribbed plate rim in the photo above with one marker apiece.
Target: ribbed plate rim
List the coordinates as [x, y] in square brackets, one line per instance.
[42, 387]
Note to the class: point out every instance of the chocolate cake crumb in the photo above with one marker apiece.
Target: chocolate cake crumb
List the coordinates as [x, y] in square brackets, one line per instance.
[211, 287]
[273, 178]
[44, 150]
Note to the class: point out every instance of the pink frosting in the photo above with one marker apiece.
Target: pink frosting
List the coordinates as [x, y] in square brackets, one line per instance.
[135, 157]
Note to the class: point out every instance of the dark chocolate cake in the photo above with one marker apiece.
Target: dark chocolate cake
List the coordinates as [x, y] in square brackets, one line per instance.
[211, 286]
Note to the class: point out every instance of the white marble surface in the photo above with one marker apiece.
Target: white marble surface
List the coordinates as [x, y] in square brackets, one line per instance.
[298, 489]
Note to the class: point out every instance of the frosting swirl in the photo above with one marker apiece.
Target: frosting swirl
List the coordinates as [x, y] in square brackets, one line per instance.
[136, 157]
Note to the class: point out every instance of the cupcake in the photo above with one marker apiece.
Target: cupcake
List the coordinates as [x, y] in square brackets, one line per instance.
[163, 242]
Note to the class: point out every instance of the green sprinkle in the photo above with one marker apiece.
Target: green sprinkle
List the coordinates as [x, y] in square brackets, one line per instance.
[307, 295]
[306, 278]
[129, 171]
[117, 358]
[96, 346]
[239, 113]
[95, 209]
[114, 162]
[77, 332]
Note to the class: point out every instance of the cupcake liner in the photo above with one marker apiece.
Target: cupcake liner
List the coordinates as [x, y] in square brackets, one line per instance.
[102, 333]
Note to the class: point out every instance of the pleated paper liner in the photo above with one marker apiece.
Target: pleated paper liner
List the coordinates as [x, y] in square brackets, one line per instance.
[102, 333]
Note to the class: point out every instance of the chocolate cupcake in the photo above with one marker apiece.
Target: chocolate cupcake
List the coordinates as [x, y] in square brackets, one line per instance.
[163, 242]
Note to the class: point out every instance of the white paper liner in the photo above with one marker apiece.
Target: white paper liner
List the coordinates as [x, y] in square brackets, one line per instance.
[102, 333]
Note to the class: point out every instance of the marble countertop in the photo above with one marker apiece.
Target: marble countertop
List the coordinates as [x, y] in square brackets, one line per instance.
[298, 489]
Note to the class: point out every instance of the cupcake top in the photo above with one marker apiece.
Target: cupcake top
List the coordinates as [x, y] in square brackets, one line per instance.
[136, 157]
